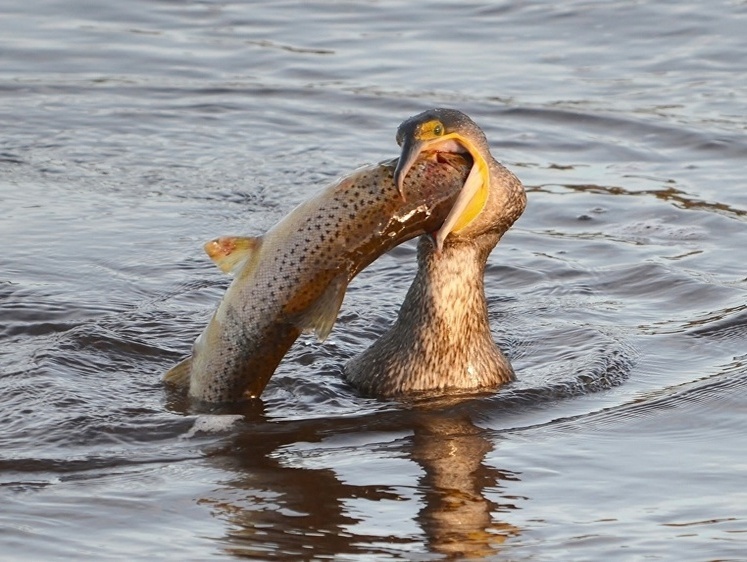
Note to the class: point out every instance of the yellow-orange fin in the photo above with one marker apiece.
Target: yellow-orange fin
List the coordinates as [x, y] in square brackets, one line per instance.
[230, 252]
[179, 374]
[320, 317]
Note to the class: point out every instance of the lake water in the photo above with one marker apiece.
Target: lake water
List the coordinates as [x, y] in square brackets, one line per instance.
[132, 132]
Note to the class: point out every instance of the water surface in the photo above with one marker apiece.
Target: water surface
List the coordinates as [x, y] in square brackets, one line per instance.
[133, 133]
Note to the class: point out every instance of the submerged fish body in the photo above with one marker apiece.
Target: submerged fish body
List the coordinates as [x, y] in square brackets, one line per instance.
[293, 279]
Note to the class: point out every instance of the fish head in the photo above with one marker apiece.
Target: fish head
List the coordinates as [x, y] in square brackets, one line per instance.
[385, 219]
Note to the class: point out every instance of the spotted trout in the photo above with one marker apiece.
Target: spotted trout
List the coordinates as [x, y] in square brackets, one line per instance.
[293, 279]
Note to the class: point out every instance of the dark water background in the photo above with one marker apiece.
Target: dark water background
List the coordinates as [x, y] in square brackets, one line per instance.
[132, 132]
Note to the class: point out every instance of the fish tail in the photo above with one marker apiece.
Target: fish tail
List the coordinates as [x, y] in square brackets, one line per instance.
[179, 374]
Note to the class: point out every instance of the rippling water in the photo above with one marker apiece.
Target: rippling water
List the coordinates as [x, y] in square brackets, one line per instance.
[132, 133]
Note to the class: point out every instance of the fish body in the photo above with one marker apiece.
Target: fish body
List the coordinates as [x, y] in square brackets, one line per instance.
[293, 279]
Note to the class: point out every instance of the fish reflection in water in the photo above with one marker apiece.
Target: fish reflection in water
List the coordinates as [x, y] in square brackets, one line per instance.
[279, 498]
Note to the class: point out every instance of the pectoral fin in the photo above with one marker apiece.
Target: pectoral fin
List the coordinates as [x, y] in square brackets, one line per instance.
[231, 252]
[179, 374]
[320, 317]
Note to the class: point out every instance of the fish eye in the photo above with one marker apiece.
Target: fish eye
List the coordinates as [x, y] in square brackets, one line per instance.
[438, 130]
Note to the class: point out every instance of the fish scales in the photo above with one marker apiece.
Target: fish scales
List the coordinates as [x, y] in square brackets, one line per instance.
[293, 278]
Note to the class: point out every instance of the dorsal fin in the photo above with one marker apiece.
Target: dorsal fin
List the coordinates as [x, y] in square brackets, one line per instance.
[321, 315]
[230, 252]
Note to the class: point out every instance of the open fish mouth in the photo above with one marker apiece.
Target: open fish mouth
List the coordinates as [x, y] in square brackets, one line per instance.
[442, 157]
[472, 196]
[455, 159]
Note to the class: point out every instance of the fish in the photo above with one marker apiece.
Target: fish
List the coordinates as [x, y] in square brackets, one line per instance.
[293, 278]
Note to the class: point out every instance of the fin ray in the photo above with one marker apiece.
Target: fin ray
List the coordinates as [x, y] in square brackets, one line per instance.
[179, 374]
[321, 315]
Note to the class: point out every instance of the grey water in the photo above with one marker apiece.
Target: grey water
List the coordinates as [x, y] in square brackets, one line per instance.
[132, 132]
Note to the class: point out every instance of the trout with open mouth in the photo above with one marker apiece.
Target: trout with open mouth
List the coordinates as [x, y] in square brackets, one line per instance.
[293, 279]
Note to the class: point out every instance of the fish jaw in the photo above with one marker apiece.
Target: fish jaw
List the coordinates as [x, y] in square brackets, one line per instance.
[432, 186]
[474, 193]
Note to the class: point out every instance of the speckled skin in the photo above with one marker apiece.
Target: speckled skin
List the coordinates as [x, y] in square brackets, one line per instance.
[441, 340]
[303, 265]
